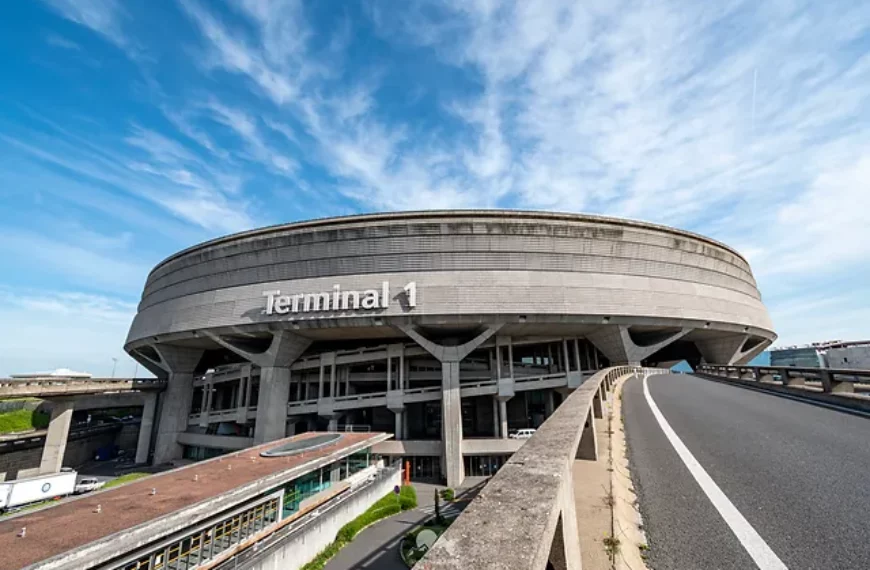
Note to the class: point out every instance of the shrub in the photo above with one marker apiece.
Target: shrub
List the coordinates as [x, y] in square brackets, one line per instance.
[448, 494]
[384, 507]
[23, 420]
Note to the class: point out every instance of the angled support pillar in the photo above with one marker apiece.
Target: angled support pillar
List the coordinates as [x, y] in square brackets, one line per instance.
[143, 445]
[274, 363]
[730, 350]
[55, 439]
[616, 344]
[451, 405]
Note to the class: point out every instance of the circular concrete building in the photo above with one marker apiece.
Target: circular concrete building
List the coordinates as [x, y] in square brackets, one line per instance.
[448, 328]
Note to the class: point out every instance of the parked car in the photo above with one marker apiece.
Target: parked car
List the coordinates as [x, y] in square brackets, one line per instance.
[88, 484]
[522, 433]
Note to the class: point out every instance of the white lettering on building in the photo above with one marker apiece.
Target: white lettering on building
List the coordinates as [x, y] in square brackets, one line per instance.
[336, 300]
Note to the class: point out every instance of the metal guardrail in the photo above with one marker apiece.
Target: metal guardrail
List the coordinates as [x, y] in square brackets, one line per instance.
[831, 380]
[524, 515]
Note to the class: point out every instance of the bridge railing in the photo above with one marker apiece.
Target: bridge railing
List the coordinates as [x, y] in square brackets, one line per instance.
[525, 517]
[10, 387]
[831, 380]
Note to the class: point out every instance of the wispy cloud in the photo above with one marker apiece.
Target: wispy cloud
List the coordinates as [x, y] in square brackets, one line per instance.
[744, 121]
[93, 331]
[61, 42]
[102, 16]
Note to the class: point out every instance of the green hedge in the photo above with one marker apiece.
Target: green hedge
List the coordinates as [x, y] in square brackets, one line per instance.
[384, 507]
[23, 420]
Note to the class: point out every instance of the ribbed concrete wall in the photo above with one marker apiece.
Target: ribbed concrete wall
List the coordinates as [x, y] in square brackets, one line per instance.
[464, 264]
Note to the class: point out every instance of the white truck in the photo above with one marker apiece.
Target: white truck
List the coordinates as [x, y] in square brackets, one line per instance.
[38, 488]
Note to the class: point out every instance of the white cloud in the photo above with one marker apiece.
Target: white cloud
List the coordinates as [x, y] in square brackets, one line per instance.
[83, 263]
[246, 127]
[64, 329]
[102, 16]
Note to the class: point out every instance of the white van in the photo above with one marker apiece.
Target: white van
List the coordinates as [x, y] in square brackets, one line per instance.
[523, 433]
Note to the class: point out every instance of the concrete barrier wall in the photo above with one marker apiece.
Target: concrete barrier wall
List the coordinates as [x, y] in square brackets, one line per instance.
[300, 547]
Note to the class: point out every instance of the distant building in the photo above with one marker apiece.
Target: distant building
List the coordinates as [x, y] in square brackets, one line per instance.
[827, 354]
[59, 373]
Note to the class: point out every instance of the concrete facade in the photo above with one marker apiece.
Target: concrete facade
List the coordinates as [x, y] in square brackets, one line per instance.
[445, 326]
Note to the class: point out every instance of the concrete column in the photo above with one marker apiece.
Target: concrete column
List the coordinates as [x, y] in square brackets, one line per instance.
[248, 388]
[207, 390]
[588, 448]
[566, 355]
[143, 446]
[577, 355]
[320, 380]
[597, 408]
[332, 384]
[565, 548]
[549, 404]
[272, 404]
[496, 425]
[333, 423]
[389, 372]
[550, 367]
[451, 423]
[173, 416]
[497, 358]
[398, 431]
[511, 356]
[55, 439]
[402, 378]
[502, 417]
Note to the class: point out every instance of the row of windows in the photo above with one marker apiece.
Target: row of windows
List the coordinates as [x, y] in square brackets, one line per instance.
[208, 543]
[204, 545]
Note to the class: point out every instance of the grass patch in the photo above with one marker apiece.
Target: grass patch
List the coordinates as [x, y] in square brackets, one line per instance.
[125, 479]
[611, 546]
[23, 420]
[384, 507]
[408, 547]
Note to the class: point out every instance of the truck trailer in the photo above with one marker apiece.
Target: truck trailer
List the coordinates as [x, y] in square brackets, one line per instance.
[38, 488]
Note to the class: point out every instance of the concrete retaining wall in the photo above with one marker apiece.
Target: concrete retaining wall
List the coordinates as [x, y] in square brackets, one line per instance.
[299, 548]
[25, 462]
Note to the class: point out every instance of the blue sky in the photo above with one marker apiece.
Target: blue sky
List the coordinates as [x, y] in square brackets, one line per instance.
[131, 129]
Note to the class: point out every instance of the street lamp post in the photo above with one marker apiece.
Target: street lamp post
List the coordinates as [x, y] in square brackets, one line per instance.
[114, 364]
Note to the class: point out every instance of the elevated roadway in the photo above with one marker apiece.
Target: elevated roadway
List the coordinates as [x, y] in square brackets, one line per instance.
[64, 387]
[790, 477]
[68, 394]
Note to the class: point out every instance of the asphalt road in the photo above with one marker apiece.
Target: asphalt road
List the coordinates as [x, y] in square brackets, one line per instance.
[799, 474]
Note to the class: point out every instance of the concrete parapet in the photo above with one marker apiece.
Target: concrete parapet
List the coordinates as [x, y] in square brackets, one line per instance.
[528, 498]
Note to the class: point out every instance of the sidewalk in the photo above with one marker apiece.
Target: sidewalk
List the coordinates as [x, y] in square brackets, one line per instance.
[377, 547]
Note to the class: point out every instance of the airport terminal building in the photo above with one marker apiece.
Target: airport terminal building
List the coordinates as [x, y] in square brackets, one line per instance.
[449, 329]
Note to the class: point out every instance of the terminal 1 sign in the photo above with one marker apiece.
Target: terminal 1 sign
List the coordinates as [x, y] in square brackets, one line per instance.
[336, 300]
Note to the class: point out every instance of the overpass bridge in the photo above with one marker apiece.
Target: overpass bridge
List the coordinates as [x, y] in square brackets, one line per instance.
[69, 394]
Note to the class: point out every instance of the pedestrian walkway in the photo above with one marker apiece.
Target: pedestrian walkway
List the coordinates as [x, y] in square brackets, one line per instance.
[377, 547]
[447, 509]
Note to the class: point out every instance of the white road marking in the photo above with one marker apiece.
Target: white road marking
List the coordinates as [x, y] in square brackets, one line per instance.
[761, 553]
